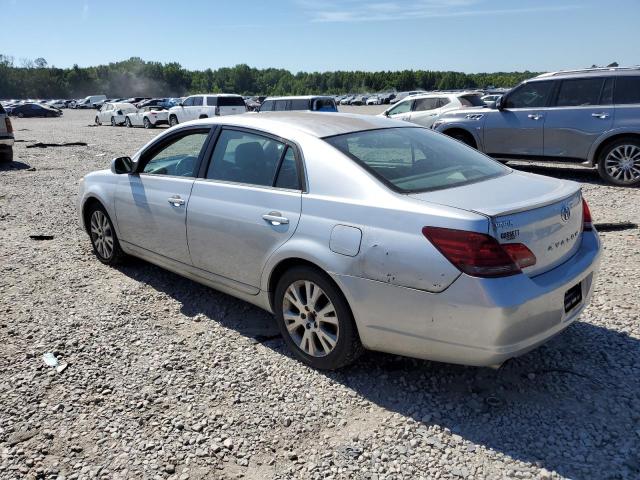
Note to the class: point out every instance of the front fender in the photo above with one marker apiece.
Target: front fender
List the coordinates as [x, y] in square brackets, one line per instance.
[100, 186]
[475, 130]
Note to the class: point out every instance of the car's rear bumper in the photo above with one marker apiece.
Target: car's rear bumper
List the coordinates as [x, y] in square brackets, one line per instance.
[475, 321]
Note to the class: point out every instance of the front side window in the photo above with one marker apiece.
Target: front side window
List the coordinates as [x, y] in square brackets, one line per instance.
[627, 90]
[267, 106]
[402, 107]
[245, 158]
[179, 157]
[471, 101]
[188, 102]
[580, 92]
[416, 159]
[530, 95]
[423, 104]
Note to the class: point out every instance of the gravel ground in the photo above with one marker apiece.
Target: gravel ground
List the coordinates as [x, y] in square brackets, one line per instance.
[165, 378]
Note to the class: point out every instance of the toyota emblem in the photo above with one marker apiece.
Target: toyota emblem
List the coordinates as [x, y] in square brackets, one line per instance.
[565, 213]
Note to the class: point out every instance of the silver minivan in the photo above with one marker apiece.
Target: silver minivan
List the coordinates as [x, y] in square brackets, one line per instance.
[589, 116]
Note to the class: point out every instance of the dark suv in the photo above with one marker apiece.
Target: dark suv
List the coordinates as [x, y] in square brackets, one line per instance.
[6, 137]
[587, 116]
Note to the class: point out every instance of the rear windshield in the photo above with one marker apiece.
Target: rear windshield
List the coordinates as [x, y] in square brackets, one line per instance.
[416, 159]
[471, 101]
[230, 102]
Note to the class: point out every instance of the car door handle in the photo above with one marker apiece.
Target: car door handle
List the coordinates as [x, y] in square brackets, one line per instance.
[534, 116]
[601, 115]
[176, 201]
[275, 218]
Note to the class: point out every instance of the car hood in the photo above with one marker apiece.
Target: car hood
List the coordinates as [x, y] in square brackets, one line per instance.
[510, 193]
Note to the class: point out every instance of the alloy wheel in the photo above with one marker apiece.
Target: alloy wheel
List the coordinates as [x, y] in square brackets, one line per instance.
[310, 318]
[101, 234]
[623, 163]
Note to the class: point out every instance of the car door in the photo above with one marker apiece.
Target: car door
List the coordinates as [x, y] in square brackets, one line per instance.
[517, 129]
[197, 109]
[151, 204]
[583, 110]
[401, 111]
[105, 113]
[184, 110]
[246, 206]
[424, 111]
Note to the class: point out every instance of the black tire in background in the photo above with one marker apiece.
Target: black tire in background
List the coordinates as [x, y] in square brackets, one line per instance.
[173, 121]
[348, 346]
[619, 162]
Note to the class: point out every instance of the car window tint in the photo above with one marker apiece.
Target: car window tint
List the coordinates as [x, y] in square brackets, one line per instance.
[627, 90]
[245, 158]
[606, 97]
[280, 105]
[530, 95]
[231, 102]
[288, 173]
[579, 92]
[402, 107]
[416, 159]
[188, 102]
[471, 101]
[197, 101]
[267, 106]
[324, 105]
[179, 157]
[212, 101]
[425, 104]
[300, 104]
[443, 101]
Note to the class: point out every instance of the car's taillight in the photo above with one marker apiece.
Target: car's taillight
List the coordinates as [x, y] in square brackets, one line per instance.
[587, 223]
[7, 121]
[478, 254]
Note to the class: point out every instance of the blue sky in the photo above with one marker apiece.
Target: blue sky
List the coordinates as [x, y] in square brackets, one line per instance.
[320, 35]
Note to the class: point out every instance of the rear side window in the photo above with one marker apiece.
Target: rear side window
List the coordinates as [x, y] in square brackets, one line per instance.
[288, 173]
[281, 105]
[443, 101]
[425, 104]
[580, 92]
[627, 90]
[300, 104]
[245, 158]
[471, 101]
[230, 102]
[416, 159]
[212, 101]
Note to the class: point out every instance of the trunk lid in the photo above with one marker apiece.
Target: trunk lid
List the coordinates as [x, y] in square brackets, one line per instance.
[545, 214]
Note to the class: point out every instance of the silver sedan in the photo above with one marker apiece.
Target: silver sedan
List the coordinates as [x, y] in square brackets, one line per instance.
[355, 232]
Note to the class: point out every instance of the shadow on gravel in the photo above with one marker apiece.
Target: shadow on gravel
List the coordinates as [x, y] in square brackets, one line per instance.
[572, 405]
[5, 167]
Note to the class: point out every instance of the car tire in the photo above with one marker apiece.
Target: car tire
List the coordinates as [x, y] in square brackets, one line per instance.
[113, 121]
[97, 120]
[463, 137]
[104, 239]
[6, 155]
[127, 122]
[324, 344]
[619, 162]
[173, 121]
[147, 124]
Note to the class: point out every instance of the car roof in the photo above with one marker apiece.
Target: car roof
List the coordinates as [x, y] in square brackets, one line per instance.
[299, 97]
[316, 124]
[589, 73]
[418, 96]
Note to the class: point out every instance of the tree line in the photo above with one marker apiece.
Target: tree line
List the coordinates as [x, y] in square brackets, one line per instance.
[136, 77]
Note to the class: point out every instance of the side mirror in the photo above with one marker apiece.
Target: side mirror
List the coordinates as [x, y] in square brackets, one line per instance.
[386, 114]
[121, 165]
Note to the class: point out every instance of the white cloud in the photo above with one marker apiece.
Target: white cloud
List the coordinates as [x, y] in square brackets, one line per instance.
[376, 10]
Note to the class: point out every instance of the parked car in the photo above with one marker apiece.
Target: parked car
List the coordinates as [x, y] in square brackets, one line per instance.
[92, 101]
[29, 110]
[147, 117]
[374, 100]
[347, 100]
[206, 106]
[313, 103]
[425, 109]
[402, 95]
[114, 113]
[6, 137]
[350, 230]
[490, 99]
[56, 104]
[589, 116]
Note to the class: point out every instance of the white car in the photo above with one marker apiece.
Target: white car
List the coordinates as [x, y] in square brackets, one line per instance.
[206, 106]
[114, 113]
[148, 117]
[92, 101]
[424, 109]
[373, 100]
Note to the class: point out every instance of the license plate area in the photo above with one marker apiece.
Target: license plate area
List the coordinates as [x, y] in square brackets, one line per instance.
[573, 297]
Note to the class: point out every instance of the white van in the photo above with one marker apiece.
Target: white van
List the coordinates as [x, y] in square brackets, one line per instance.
[205, 106]
[92, 101]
